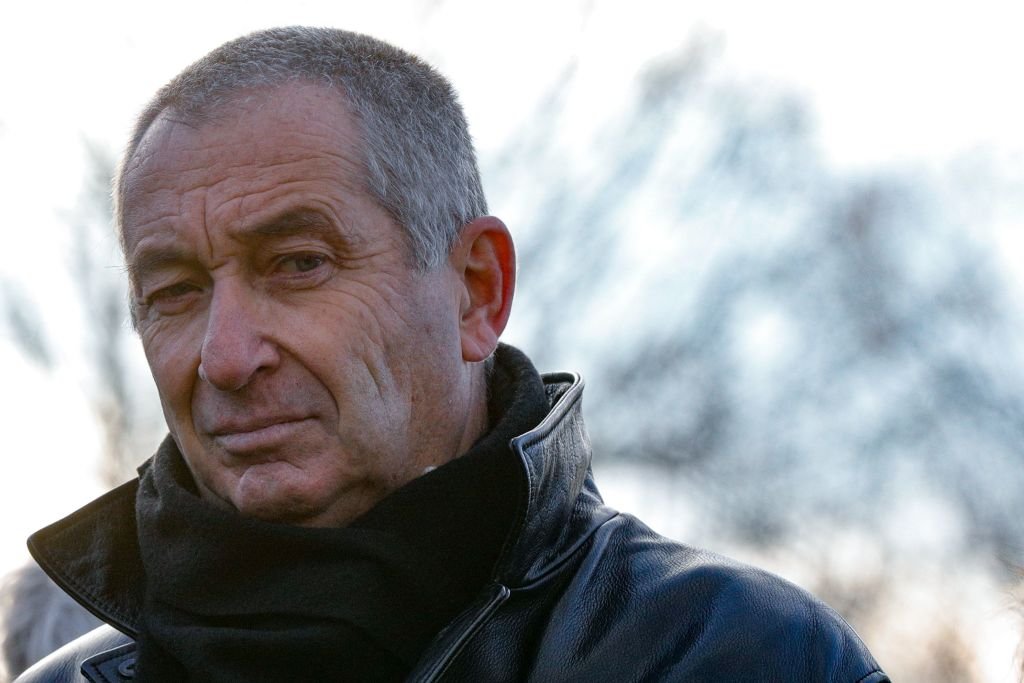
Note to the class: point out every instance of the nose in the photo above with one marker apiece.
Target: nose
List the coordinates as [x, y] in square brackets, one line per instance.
[235, 346]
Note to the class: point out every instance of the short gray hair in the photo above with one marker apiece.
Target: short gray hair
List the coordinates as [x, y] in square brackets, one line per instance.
[418, 155]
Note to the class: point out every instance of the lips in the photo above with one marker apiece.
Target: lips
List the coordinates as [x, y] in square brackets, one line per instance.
[247, 436]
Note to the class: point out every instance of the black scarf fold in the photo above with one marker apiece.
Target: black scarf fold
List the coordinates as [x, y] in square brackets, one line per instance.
[230, 598]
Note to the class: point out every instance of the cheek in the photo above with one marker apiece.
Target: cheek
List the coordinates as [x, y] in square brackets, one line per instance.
[331, 335]
[173, 358]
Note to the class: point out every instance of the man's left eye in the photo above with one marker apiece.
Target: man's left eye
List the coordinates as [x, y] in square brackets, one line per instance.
[301, 263]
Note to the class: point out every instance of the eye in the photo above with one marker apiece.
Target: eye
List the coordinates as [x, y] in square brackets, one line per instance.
[301, 263]
[171, 299]
[176, 290]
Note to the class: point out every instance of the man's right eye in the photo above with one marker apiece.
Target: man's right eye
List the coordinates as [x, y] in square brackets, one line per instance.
[171, 298]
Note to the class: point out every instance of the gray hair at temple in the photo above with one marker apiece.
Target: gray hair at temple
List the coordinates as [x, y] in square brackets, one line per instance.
[419, 159]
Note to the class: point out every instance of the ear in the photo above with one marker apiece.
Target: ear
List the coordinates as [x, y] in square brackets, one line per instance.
[484, 259]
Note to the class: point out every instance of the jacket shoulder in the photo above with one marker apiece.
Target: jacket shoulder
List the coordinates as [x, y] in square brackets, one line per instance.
[108, 656]
[712, 618]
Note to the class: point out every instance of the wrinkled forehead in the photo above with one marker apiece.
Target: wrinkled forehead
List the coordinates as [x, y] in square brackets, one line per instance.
[294, 103]
[259, 118]
[237, 140]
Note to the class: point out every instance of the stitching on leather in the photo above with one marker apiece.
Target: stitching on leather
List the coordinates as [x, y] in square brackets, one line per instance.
[876, 672]
[70, 524]
[92, 596]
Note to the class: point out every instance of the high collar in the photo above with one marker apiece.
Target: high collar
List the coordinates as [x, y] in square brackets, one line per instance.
[93, 553]
[562, 502]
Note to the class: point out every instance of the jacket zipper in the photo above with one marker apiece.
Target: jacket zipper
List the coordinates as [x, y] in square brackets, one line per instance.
[430, 671]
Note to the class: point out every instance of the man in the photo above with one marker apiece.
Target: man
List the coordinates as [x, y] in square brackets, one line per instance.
[360, 483]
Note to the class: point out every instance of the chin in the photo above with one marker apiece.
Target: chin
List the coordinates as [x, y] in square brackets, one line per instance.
[275, 499]
[287, 511]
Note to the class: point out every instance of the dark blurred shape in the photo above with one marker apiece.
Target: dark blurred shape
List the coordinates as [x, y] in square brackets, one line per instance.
[36, 618]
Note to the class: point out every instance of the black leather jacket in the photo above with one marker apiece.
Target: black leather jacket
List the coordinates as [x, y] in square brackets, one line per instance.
[581, 593]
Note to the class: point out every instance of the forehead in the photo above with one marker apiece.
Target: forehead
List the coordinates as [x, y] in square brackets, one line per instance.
[262, 145]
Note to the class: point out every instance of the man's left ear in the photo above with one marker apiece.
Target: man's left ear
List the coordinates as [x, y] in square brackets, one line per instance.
[485, 259]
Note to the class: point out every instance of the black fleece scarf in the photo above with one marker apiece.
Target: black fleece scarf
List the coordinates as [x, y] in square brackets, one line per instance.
[230, 598]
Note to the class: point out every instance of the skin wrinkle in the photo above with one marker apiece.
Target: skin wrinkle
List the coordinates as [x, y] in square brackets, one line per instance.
[166, 255]
[401, 115]
[355, 164]
[361, 347]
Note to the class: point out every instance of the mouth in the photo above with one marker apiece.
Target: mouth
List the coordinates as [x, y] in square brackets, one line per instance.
[259, 436]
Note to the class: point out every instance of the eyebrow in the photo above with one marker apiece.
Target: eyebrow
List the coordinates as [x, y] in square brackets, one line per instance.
[294, 222]
[301, 222]
[287, 224]
[153, 259]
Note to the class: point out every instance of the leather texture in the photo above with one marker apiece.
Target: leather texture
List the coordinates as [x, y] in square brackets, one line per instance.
[111, 649]
[580, 592]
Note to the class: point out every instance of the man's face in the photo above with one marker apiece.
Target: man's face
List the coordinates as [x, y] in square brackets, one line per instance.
[304, 367]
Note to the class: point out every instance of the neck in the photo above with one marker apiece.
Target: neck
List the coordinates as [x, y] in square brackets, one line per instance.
[477, 421]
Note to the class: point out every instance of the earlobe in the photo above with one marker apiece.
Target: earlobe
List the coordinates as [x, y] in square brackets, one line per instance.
[486, 261]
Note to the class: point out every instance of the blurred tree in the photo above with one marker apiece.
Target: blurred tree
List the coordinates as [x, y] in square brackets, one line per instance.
[121, 391]
[804, 343]
[810, 348]
[23, 325]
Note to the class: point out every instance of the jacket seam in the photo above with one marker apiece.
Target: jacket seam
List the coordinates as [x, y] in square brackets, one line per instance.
[521, 443]
[866, 676]
[89, 600]
[568, 556]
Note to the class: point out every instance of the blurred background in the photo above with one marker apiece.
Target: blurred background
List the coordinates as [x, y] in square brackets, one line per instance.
[782, 242]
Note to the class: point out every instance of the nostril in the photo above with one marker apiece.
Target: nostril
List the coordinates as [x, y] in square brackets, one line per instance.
[228, 377]
[234, 347]
[231, 369]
